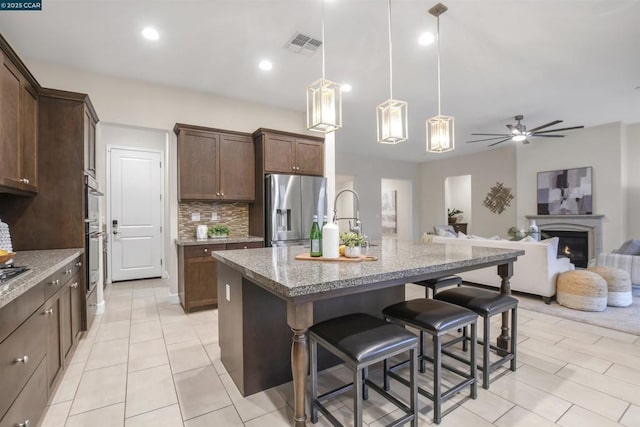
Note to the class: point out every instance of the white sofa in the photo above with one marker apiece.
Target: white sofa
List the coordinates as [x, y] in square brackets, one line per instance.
[535, 272]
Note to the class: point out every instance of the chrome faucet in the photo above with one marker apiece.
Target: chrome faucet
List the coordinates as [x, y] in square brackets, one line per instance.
[358, 225]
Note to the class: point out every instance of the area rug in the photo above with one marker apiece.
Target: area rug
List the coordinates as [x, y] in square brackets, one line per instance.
[625, 319]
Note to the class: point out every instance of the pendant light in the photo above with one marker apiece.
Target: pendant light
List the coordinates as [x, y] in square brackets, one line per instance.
[324, 100]
[391, 115]
[440, 129]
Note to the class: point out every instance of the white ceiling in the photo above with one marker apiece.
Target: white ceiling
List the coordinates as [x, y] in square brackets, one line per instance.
[576, 60]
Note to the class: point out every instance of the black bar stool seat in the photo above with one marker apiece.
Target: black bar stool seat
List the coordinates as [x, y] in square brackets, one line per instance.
[362, 340]
[487, 304]
[436, 318]
[436, 284]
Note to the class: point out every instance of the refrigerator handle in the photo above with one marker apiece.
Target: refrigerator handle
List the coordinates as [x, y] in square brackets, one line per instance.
[288, 219]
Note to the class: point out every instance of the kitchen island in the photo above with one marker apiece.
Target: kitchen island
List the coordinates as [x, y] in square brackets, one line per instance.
[268, 287]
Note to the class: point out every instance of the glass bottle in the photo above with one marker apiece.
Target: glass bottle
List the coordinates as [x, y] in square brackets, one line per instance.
[316, 238]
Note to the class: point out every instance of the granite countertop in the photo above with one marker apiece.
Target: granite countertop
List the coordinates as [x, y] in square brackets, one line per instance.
[231, 239]
[41, 264]
[277, 270]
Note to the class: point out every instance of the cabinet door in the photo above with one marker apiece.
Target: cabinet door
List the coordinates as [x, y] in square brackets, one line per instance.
[76, 307]
[200, 276]
[9, 112]
[237, 168]
[28, 137]
[279, 154]
[66, 339]
[89, 143]
[197, 166]
[51, 309]
[309, 157]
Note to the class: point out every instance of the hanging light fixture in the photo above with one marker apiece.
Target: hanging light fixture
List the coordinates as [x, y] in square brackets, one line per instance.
[324, 100]
[440, 129]
[391, 115]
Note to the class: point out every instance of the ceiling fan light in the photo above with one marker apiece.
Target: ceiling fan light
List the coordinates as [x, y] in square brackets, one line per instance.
[518, 138]
[391, 118]
[324, 106]
[440, 134]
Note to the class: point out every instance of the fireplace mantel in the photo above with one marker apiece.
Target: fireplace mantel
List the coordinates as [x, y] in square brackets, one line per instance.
[589, 223]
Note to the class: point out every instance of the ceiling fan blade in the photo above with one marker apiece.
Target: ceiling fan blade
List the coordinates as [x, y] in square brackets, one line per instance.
[496, 143]
[511, 128]
[491, 134]
[546, 125]
[487, 139]
[547, 136]
[561, 129]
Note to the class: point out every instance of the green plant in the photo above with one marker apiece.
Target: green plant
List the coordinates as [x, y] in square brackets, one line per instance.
[352, 239]
[218, 229]
[453, 212]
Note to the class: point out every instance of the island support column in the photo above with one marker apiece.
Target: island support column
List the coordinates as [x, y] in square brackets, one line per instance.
[505, 271]
[299, 319]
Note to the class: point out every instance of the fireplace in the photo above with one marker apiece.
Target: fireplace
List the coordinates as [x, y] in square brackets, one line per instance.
[573, 245]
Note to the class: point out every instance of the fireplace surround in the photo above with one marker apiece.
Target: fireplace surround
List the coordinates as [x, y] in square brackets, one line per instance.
[592, 224]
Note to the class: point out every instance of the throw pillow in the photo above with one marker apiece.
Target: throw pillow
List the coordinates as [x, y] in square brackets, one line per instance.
[528, 239]
[553, 241]
[630, 247]
[461, 235]
[450, 234]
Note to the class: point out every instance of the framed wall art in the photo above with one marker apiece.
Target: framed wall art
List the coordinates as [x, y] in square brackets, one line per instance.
[565, 192]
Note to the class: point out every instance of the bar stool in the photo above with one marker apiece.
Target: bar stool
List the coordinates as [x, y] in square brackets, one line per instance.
[487, 304]
[436, 284]
[362, 340]
[436, 318]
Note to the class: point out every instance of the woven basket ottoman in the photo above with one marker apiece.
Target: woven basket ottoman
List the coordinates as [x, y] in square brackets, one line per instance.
[582, 290]
[618, 283]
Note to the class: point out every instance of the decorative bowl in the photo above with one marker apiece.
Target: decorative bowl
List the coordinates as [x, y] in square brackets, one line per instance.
[7, 257]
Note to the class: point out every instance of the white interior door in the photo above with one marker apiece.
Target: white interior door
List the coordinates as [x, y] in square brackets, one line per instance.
[136, 214]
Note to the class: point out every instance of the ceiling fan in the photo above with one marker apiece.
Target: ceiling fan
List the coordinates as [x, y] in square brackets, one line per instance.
[519, 132]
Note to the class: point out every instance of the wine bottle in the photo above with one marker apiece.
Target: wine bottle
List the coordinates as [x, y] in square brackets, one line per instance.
[316, 238]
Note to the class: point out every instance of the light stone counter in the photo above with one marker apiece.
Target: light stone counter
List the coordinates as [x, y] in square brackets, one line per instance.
[41, 264]
[277, 270]
[219, 240]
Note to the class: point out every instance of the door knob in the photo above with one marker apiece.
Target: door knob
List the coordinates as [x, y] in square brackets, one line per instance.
[55, 282]
[74, 285]
[26, 423]
[49, 312]
[78, 264]
[24, 359]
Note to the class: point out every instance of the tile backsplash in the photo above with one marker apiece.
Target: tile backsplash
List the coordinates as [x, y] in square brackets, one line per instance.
[233, 215]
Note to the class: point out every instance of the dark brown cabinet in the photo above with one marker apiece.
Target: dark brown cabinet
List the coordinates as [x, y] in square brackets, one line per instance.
[18, 124]
[284, 153]
[90, 141]
[214, 164]
[55, 363]
[197, 273]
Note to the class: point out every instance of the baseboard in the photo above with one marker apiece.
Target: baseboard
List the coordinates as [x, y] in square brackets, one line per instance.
[174, 298]
[100, 308]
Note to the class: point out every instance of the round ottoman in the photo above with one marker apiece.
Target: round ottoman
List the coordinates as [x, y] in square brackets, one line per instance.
[619, 284]
[582, 290]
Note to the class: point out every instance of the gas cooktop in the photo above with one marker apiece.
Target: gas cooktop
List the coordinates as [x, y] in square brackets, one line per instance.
[8, 272]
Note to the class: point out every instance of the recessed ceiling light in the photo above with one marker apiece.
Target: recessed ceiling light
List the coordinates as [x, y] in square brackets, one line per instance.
[265, 65]
[346, 87]
[426, 39]
[150, 33]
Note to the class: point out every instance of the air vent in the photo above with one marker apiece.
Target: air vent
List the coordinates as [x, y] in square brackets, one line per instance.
[303, 44]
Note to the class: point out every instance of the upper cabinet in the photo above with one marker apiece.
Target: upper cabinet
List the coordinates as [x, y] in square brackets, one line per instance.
[214, 164]
[18, 125]
[290, 153]
[90, 120]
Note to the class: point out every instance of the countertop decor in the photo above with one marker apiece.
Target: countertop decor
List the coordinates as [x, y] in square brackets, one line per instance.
[41, 264]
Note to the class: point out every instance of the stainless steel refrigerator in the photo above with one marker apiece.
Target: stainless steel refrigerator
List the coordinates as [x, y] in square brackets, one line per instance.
[291, 202]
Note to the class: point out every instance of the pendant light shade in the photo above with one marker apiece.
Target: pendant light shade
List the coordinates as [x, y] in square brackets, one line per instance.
[324, 106]
[324, 100]
[440, 128]
[391, 115]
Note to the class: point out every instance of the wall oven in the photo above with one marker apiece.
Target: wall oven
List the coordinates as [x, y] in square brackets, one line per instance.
[92, 232]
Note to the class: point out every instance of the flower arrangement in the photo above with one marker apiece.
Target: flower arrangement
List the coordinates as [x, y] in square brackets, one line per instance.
[452, 214]
[218, 230]
[352, 239]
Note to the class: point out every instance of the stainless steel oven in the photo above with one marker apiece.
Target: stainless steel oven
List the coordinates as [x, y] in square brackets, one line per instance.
[92, 231]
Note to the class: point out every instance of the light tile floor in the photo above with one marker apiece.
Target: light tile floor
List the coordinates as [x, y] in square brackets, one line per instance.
[146, 363]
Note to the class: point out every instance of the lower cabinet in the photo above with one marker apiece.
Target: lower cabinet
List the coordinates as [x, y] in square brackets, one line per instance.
[197, 274]
[28, 407]
[55, 362]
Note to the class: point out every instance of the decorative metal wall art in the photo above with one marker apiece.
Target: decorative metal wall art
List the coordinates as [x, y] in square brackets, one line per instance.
[498, 198]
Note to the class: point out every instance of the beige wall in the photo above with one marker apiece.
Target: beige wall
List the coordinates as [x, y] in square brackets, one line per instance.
[486, 168]
[136, 104]
[633, 181]
[601, 147]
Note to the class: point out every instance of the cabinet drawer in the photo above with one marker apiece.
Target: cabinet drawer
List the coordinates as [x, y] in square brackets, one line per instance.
[247, 245]
[19, 310]
[31, 402]
[200, 251]
[56, 281]
[20, 354]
